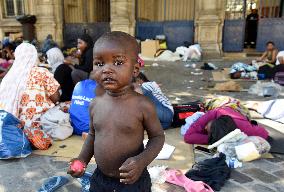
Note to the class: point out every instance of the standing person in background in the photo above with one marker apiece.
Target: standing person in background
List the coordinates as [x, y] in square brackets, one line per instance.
[251, 28]
[81, 72]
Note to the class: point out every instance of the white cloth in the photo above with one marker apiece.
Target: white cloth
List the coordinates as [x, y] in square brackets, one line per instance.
[157, 92]
[189, 121]
[192, 52]
[14, 83]
[55, 58]
[280, 54]
[56, 123]
[273, 110]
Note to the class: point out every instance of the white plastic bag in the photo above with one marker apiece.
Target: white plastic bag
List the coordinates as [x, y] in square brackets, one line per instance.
[265, 89]
[57, 123]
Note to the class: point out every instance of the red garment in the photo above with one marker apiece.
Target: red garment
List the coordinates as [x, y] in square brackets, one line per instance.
[197, 134]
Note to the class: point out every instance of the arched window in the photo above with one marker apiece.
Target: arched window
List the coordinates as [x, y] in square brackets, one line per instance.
[13, 8]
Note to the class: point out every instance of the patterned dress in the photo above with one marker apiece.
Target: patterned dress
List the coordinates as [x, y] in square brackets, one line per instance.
[35, 101]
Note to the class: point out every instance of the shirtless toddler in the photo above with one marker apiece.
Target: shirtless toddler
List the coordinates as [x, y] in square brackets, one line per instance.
[119, 118]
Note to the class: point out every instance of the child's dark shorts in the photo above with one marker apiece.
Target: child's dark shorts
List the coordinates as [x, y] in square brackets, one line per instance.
[102, 183]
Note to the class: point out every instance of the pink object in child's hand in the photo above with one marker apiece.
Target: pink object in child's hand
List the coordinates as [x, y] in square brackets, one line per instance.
[77, 166]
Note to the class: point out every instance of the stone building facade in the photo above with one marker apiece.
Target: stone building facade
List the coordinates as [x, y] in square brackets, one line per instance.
[53, 15]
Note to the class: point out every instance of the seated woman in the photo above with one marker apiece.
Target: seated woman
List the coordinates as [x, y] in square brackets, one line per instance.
[28, 91]
[268, 59]
[199, 132]
[152, 90]
[82, 71]
[62, 73]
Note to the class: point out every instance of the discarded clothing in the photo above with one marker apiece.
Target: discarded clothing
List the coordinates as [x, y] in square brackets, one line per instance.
[209, 66]
[213, 172]
[176, 177]
[53, 183]
[189, 121]
[101, 182]
[197, 134]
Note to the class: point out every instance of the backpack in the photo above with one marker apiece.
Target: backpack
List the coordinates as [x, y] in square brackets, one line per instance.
[279, 78]
[182, 111]
[13, 141]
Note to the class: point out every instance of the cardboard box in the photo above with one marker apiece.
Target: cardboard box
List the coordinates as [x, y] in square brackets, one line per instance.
[149, 48]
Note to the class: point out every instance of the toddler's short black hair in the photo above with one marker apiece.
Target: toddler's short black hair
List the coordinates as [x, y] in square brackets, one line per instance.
[122, 38]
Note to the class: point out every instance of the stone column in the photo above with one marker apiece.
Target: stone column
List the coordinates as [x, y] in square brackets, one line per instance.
[49, 19]
[209, 21]
[123, 16]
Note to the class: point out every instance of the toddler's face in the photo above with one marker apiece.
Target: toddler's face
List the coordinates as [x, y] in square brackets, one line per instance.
[113, 66]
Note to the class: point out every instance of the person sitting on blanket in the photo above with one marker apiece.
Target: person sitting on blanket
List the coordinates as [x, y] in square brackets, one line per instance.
[198, 132]
[243, 71]
[28, 91]
[268, 60]
[163, 105]
[118, 119]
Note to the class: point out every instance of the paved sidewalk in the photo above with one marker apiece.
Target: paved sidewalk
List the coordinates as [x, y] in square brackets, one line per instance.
[265, 175]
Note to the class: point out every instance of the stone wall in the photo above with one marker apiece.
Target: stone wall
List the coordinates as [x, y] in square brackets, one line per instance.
[49, 19]
[123, 16]
[209, 20]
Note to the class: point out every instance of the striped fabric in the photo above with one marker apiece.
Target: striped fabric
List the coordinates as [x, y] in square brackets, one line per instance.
[156, 91]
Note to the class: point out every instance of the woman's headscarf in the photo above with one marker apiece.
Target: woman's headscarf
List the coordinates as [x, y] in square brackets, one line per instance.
[54, 58]
[14, 83]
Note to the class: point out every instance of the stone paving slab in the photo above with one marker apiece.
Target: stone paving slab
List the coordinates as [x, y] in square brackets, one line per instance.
[27, 175]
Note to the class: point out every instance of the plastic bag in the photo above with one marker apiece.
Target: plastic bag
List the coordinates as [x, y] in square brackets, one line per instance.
[265, 89]
[13, 142]
[56, 123]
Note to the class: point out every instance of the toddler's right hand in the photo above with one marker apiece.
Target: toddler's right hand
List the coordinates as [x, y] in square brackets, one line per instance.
[77, 168]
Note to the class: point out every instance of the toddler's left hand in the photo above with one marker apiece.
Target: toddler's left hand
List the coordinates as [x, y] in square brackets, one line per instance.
[130, 170]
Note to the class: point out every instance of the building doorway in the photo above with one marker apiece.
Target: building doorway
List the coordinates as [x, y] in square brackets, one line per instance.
[250, 24]
[85, 16]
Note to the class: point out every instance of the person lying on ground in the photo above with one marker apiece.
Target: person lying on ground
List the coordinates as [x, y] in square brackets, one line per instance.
[119, 118]
[28, 91]
[268, 60]
[163, 105]
[62, 73]
[199, 132]
[243, 71]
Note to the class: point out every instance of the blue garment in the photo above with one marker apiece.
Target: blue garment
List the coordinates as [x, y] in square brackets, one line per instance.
[189, 121]
[83, 94]
[13, 141]
[242, 67]
[165, 114]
